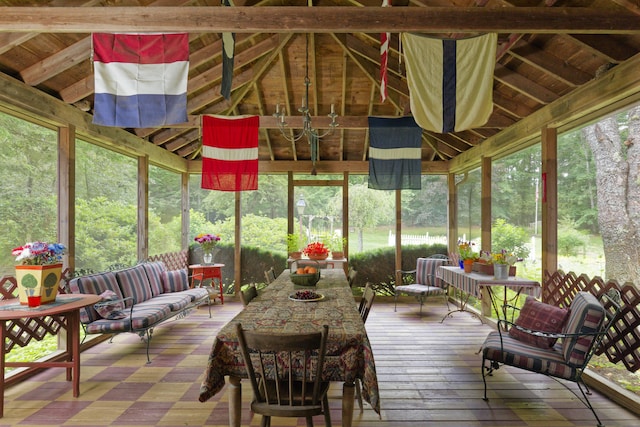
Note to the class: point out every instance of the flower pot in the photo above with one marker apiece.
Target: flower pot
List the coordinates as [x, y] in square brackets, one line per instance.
[468, 265]
[501, 271]
[318, 257]
[337, 254]
[40, 280]
[295, 255]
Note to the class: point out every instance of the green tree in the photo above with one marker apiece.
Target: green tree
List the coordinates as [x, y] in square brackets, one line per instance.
[368, 208]
[510, 238]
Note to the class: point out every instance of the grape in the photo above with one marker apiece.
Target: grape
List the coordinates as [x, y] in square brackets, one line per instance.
[305, 295]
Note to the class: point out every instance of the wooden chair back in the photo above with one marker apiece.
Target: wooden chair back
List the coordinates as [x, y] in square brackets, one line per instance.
[366, 302]
[270, 275]
[278, 390]
[248, 294]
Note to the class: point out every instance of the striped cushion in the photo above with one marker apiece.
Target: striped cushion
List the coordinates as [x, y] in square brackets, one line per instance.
[154, 275]
[175, 280]
[143, 317]
[426, 271]
[175, 301]
[586, 316]
[95, 284]
[548, 361]
[134, 283]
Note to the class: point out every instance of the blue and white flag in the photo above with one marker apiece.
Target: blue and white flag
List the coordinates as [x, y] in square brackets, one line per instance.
[140, 79]
[395, 153]
[450, 81]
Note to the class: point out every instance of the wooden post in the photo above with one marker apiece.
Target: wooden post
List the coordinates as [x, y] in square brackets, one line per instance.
[549, 196]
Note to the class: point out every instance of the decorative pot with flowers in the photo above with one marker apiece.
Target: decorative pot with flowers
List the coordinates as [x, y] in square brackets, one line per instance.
[208, 243]
[467, 256]
[488, 261]
[316, 251]
[38, 270]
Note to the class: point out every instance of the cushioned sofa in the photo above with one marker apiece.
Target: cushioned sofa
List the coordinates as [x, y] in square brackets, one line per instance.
[137, 299]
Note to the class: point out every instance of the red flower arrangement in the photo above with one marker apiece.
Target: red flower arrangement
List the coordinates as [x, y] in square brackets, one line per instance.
[316, 250]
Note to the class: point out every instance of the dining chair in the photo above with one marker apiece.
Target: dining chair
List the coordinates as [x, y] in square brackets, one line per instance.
[425, 281]
[365, 306]
[270, 275]
[351, 276]
[278, 390]
[248, 294]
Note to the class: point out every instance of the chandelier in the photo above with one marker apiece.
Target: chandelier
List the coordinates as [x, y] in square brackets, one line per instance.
[312, 134]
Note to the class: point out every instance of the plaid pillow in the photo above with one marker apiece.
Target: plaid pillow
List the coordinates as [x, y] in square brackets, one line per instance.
[538, 316]
[108, 309]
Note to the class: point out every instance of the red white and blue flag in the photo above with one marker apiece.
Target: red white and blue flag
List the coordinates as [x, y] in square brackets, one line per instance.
[385, 38]
[230, 153]
[140, 79]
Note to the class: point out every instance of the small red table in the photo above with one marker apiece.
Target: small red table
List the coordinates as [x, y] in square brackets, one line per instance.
[203, 272]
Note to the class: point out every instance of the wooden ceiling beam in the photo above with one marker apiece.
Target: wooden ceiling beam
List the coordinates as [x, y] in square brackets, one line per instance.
[550, 64]
[287, 19]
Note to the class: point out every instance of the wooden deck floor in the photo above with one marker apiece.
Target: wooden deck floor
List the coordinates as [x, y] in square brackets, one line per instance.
[428, 373]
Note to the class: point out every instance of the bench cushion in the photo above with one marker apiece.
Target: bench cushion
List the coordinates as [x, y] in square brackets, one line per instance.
[548, 361]
[154, 272]
[143, 315]
[94, 284]
[175, 280]
[586, 317]
[134, 283]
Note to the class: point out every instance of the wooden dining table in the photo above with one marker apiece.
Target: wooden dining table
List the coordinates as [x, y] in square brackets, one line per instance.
[349, 354]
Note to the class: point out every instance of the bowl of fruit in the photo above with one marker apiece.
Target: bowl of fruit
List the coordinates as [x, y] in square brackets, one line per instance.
[305, 276]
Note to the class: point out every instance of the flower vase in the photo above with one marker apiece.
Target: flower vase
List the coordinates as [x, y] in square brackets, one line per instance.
[500, 271]
[467, 265]
[40, 280]
[207, 257]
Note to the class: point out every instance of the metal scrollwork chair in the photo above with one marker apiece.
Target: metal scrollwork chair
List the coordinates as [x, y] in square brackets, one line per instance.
[425, 282]
[562, 355]
[279, 389]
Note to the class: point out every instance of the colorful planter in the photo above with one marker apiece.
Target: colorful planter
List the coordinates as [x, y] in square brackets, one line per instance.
[40, 280]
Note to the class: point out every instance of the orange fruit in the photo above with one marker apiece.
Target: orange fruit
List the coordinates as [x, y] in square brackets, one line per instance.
[300, 270]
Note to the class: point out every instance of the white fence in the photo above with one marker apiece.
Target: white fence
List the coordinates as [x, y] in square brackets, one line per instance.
[416, 239]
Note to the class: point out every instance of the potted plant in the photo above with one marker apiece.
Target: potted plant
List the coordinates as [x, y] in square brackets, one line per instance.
[38, 271]
[294, 244]
[467, 256]
[336, 245]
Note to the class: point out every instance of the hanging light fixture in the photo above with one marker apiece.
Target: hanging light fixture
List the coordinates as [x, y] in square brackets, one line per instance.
[308, 130]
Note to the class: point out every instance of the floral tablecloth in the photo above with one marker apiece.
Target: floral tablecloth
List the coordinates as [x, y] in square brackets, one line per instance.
[349, 354]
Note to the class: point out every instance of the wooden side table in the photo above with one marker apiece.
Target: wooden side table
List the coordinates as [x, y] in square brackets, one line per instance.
[65, 305]
[203, 272]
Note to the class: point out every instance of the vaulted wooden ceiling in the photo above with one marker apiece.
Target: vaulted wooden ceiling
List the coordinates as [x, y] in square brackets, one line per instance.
[546, 50]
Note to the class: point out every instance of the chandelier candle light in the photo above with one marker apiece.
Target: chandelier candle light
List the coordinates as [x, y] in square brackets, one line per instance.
[307, 128]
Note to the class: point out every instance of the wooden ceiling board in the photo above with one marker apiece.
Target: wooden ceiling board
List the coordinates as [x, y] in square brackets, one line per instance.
[535, 70]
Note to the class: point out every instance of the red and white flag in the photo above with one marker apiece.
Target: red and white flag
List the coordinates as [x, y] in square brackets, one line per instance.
[140, 80]
[230, 153]
[384, 57]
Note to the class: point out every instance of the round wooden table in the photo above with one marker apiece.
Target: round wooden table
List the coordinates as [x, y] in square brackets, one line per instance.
[67, 306]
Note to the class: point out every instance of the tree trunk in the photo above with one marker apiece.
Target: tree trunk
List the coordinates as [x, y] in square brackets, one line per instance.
[618, 194]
